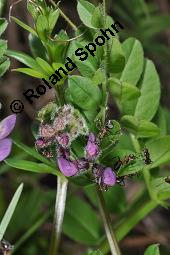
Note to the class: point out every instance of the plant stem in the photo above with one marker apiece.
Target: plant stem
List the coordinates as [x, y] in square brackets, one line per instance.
[106, 73]
[68, 20]
[62, 184]
[64, 15]
[130, 220]
[107, 224]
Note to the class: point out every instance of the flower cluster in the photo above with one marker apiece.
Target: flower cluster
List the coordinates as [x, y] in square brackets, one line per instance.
[6, 127]
[104, 176]
[59, 127]
[65, 125]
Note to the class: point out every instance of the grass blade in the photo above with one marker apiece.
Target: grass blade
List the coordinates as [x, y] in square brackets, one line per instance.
[11, 208]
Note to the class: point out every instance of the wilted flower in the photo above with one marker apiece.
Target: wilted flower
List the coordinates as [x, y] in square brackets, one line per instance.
[47, 131]
[6, 127]
[92, 148]
[82, 164]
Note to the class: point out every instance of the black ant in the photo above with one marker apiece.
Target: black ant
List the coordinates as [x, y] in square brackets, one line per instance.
[5, 248]
[121, 180]
[147, 159]
[105, 129]
[124, 161]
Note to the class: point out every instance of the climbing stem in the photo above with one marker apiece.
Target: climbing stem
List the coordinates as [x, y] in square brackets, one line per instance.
[113, 245]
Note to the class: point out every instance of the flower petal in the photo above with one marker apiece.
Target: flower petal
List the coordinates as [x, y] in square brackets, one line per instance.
[109, 177]
[5, 148]
[67, 167]
[7, 125]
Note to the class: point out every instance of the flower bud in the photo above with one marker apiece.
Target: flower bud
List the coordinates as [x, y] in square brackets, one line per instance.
[108, 177]
[63, 140]
[92, 148]
[40, 143]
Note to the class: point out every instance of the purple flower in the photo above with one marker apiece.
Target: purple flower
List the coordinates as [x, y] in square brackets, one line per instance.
[108, 177]
[6, 127]
[92, 148]
[67, 167]
[40, 143]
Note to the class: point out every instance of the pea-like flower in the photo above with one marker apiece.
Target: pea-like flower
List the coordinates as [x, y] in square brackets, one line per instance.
[92, 148]
[104, 176]
[6, 127]
[109, 177]
[67, 167]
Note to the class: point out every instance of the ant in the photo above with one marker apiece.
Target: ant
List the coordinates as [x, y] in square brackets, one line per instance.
[105, 129]
[5, 248]
[124, 161]
[121, 180]
[147, 159]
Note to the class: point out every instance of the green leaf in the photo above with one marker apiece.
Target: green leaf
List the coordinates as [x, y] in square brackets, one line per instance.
[24, 58]
[45, 66]
[160, 188]
[126, 95]
[4, 65]
[11, 208]
[52, 19]
[31, 72]
[116, 57]
[140, 128]
[23, 25]
[80, 222]
[133, 168]
[86, 68]
[85, 11]
[94, 253]
[152, 250]
[32, 10]
[160, 120]
[3, 47]
[134, 61]
[56, 66]
[32, 152]
[3, 25]
[159, 150]
[37, 48]
[42, 27]
[32, 166]
[98, 77]
[97, 17]
[150, 93]
[83, 92]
